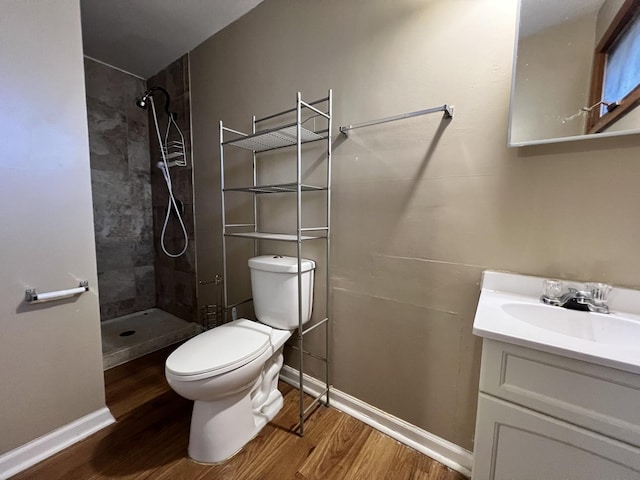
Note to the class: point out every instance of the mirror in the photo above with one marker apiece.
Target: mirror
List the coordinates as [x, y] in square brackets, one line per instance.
[552, 99]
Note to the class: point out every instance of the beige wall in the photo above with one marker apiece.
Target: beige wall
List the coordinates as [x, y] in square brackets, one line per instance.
[50, 355]
[420, 207]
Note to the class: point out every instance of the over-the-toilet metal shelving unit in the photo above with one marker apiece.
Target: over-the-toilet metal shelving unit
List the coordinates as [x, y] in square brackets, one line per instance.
[283, 136]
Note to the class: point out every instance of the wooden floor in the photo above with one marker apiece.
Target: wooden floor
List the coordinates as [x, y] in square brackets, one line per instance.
[149, 441]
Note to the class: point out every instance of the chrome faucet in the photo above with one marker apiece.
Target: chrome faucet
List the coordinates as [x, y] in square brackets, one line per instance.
[575, 299]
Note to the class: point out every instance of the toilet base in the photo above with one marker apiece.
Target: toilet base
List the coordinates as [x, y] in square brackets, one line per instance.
[232, 417]
[219, 429]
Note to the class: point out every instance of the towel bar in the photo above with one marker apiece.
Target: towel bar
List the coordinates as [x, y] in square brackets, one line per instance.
[31, 295]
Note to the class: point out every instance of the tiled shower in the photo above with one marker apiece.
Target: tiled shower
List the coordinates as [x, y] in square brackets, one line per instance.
[147, 299]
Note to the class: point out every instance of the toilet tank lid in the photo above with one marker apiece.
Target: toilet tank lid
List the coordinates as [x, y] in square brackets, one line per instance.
[280, 264]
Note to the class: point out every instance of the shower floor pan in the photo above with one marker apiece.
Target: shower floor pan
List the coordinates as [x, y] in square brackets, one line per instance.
[131, 336]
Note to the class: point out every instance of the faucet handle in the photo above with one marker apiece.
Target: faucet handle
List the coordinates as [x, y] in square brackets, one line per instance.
[599, 292]
[552, 292]
[552, 288]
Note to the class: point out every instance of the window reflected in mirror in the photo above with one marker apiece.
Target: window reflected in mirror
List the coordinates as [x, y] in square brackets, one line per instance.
[616, 70]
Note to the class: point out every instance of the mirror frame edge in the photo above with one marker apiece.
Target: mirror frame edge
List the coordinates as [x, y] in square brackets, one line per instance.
[514, 60]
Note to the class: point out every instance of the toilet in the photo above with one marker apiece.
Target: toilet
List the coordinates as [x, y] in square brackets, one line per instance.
[231, 372]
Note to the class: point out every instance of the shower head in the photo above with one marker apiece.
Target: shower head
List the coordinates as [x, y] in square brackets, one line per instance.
[143, 101]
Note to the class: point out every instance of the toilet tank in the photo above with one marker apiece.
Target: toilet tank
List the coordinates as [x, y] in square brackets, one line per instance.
[274, 283]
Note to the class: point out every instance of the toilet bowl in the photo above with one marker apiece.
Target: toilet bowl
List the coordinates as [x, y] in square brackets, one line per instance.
[231, 372]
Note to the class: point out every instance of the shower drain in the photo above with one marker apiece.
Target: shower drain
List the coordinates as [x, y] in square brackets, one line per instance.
[127, 333]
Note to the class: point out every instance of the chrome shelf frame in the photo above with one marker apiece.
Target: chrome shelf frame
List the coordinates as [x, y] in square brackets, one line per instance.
[286, 135]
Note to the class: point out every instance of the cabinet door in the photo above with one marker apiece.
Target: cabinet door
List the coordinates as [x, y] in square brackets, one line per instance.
[597, 398]
[515, 443]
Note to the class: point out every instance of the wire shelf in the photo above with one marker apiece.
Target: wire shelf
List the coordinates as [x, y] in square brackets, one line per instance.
[277, 138]
[280, 188]
[281, 237]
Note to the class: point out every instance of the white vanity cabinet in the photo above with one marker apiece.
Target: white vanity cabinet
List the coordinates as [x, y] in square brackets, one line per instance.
[543, 416]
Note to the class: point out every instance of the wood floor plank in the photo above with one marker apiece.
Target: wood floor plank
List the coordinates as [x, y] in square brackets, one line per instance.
[182, 469]
[277, 451]
[126, 456]
[73, 463]
[376, 459]
[441, 472]
[290, 451]
[149, 441]
[135, 383]
[333, 457]
[410, 465]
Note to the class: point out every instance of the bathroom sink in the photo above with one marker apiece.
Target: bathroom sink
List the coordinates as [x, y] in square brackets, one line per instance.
[611, 329]
[509, 310]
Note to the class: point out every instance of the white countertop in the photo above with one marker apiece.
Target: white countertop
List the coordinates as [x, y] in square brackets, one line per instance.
[611, 340]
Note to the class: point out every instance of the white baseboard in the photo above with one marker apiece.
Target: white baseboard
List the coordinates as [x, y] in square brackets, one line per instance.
[29, 454]
[441, 450]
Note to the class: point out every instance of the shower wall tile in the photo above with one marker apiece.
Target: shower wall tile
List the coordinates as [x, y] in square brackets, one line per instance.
[179, 107]
[164, 286]
[117, 309]
[158, 222]
[187, 147]
[110, 86]
[143, 252]
[112, 186]
[184, 288]
[104, 118]
[187, 219]
[175, 77]
[159, 194]
[137, 123]
[116, 227]
[112, 212]
[145, 278]
[114, 255]
[175, 277]
[187, 263]
[121, 186]
[107, 152]
[138, 225]
[182, 184]
[117, 285]
[138, 158]
[178, 239]
[140, 191]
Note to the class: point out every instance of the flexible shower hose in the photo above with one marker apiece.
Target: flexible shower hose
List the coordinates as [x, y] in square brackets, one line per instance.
[164, 166]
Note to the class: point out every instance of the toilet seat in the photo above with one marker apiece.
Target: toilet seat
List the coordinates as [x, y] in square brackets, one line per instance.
[220, 350]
